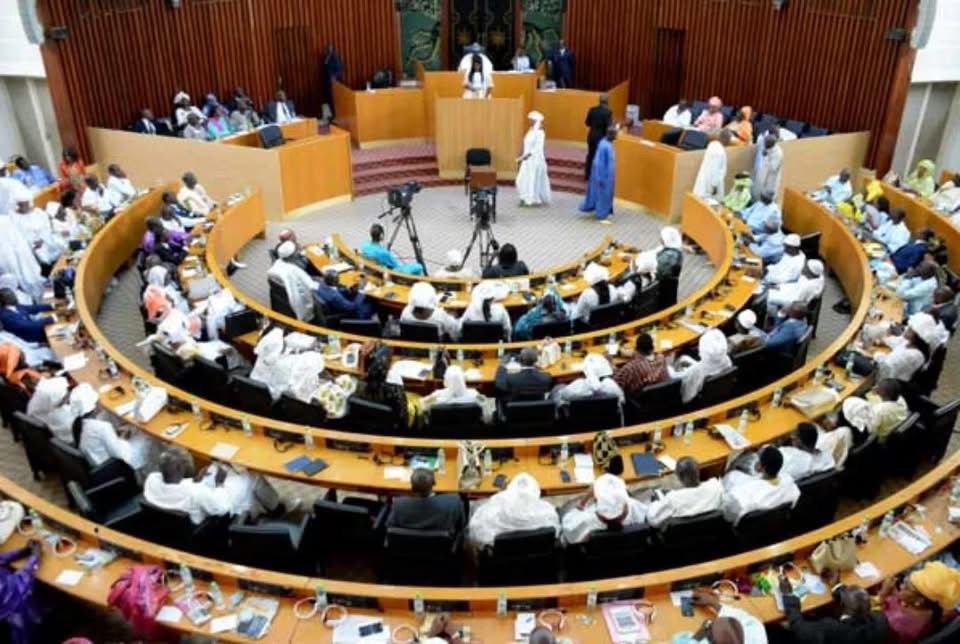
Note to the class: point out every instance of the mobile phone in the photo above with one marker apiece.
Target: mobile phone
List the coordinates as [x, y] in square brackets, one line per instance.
[686, 606]
[564, 476]
[366, 630]
[500, 482]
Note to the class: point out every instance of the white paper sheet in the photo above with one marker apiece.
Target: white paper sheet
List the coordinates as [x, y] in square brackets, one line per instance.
[225, 623]
[735, 440]
[677, 596]
[69, 577]
[170, 615]
[668, 462]
[396, 473]
[74, 361]
[224, 451]
[866, 570]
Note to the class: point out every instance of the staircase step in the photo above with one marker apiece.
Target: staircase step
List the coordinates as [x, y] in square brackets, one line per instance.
[392, 161]
[426, 167]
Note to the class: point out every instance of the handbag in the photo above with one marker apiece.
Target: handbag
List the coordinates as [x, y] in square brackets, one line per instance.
[839, 553]
[139, 593]
[604, 449]
[469, 467]
[862, 365]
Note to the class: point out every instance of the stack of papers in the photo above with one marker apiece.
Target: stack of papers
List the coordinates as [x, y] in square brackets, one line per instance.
[411, 369]
[735, 440]
[583, 468]
[224, 451]
[912, 539]
[75, 361]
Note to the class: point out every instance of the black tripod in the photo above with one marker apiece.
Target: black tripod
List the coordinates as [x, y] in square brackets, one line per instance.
[482, 235]
[405, 219]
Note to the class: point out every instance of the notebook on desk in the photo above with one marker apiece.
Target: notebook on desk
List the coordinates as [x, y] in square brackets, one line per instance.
[646, 464]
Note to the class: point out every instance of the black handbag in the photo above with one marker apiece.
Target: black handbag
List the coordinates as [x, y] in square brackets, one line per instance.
[862, 365]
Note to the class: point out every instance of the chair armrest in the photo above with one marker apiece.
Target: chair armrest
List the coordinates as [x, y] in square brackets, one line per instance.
[380, 521]
[112, 469]
[111, 494]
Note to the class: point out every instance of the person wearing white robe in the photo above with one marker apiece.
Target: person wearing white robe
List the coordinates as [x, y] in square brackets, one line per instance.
[714, 359]
[678, 115]
[99, 441]
[880, 412]
[906, 359]
[947, 197]
[695, 497]
[179, 333]
[770, 171]
[120, 190]
[296, 282]
[219, 306]
[17, 258]
[713, 169]
[764, 488]
[790, 266]
[597, 382]
[477, 78]
[271, 367]
[808, 287]
[893, 234]
[456, 392]
[597, 278]
[8, 192]
[305, 370]
[466, 63]
[34, 226]
[423, 305]
[533, 182]
[193, 196]
[50, 405]
[454, 266]
[609, 506]
[484, 308]
[173, 488]
[518, 507]
[836, 189]
[803, 458]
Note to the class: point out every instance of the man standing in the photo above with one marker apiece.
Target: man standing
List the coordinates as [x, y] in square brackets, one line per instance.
[599, 199]
[770, 171]
[598, 120]
[713, 168]
[332, 71]
[563, 66]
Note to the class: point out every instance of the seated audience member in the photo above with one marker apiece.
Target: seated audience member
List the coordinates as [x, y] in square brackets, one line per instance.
[424, 306]
[518, 507]
[17, 257]
[271, 367]
[947, 197]
[739, 196]
[218, 125]
[710, 119]
[742, 126]
[193, 196]
[174, 487]
[120, 190]
[169, 219]
[790, 266]
[299, 257]
[238, 96]
[14, 368]
[280, 110]
[529, 383]
[921, 181]
[550, 308]
[748, 336]
[374, 250]
[426, 510]
[916, 288]
[915, 607]
[483, 307]
[679, 115]
[50, 404]
[20, 319]
[454, 266]
[595, 383]
[894, 233]
[760, 212]
[768, 244]
[693, 498]
[180, 332]
[876, 214]
[66, 218]
[599, 293]
[146, 124]
[169, 245]
[944, 308]
[879, 413]
[762, 487]
[836, 189]
[731, 626]
[35, 228]
[194, 129]
[8, 189]
[802, 457]
[670, 254]
[210, 105]
[159, 300]
[385, 386]
[244, 117]
[98, 439]
[456, 392]
[911, 351]
[72, 169]
[713, 360]
[9, 281]
[508, 264]
[609, 507]
[220, 305]
[183, 108]
[645, 368]
[520, 61]
[855, 621]
[296, 282]
[342, 300]
[94, 200]
[30, 174]
[911, 254]
[790, 326]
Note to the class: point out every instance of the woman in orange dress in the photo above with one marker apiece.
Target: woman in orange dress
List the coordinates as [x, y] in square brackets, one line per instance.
[741, 126]
[13, 370]
[72, 170]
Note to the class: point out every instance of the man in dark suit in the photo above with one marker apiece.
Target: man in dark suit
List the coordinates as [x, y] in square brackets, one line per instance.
[146, 124]
[855, 624]
[598, 120]
[530, 383]
[18, 318]
[281, 110]
[563, 66]
[332, 71]
[426, 510]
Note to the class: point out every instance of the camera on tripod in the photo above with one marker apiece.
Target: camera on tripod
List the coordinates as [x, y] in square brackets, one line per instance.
[482, 205]
[402, 196]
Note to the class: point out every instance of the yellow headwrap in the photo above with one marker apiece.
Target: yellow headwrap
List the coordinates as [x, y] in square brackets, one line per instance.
[874, 190]
[938, 583]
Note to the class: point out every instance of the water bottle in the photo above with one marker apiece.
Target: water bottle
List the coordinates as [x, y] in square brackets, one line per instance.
[564, 452]
[688, 434]
[778, 397]
[500, 350]
[657, 434]
[418, 606]
[387, 280]
[195, 409]
[818, 375]
[217, 595]
[247, 427]
[320, 597]
[487, 461]
[955, 491]
[848, 367]
[501, 605]
[568, 348]
[886, 524]
[460, 357]
[591, 599]
[677, 430]
[308, 439]
[98, 350]
[441, 461]
[742, 425]
[187, 577]
[112, 368]
[68, 293]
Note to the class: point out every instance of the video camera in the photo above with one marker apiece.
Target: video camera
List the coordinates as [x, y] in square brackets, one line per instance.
[402, 196]
[481, 205]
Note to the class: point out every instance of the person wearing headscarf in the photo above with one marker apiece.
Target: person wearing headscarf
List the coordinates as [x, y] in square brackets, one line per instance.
[483, 307]
[790, 265]
[757, 483]
[550, 308]
[713, 360]
[423, 305]
[72, 169]
[533, 182]
[50, 405]
[836, 189]
[740, 195]
[692, 498]
[597, 382]
[508, 264]
[385, 386]
[456, 392]
[879, 413]
[218, 123]
[296, 282]
[374, 250]
[647, 367]
[713, 168]
[916, 609]
[910, 351]
[893, 234]
[757, 214]
[808, 287]
[272, 367]
[15, 371]
[741, 126]
[183, 108]
[947, 197]
[608, 507]
[732, 625]
[97, 438]
[34, 225]
[803, 456]
[599, 292]
[770, 171]
[518, 507]
[921, 180]
[916, 287]
[600, 188]
[156, 302]
[710, 119]
[454, 266]
[747, 335]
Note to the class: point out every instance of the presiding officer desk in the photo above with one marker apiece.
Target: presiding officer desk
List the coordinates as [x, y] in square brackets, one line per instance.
[351, 456]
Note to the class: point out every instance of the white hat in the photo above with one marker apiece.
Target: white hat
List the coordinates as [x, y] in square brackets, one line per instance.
[595, 273]
[22, 194]
[286, 249]
[792, 240]
[482, 292]
[83, 399]
[423, 295]
[815, 266]
[610, 493]
[747, 319]
[181, 96]
[53, 389]
[11, 514]
[535, 116]
[454, 257]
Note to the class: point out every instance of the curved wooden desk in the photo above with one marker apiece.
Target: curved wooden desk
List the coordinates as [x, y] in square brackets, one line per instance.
[357, 469]
[920, 214]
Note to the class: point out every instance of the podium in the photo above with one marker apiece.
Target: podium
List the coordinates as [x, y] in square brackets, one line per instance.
[495, 124]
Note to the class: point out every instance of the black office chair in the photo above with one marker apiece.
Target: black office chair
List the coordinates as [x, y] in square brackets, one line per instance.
[792, 358]
[938, 424]
[481, 332]
[693, 140]
[529, 417]
[728, 111]
[667, 292]
[474, 156]
[862, 473]
[36, 443]
[606, 315]
[274, 545]
[758, 304]
[904, 447]
[647, 300]
[810, 244]
[762, 527]
[174, 529]
[456, 421]
[73, 466]
[926, 380]
[818, 500]
[369, 416]
[169, 368]
[717, 388]
[251, 396]
[358, 533]
[279, 300]
[555, 329]
[322, 315]
[369, 328]
[813, 314]
[797, 127]
[593, 414]
[421, 557]
[271, 136]
[813, 130]
[672, 136]
[294, 410]
[419, 332]
[112, 504]
[239, 323]
[751, 369]
[802, 349]
[653, 401]
[696, 108]
[701, 537]
[614, 553]
[211, 380]
[520, 558]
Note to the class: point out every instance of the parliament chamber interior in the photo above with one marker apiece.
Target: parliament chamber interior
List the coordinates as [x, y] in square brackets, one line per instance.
[546, 321]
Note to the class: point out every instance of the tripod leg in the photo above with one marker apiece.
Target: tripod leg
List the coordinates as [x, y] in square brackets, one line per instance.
[415, 242]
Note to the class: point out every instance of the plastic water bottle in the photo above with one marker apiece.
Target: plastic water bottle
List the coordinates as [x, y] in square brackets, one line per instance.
[592, 599]
[500, 350]
[955, 491]
[568, 348]
[460, 357]
[441, 461]
[677, 430]
[742, 425]
[217, 595]
[187, 577]
[418, 606]
[308, 440]
[112, 368]
[501, 605]
[778, 397]
[848, 367]
[320, 597]
[98, 350]
[688, 434]
[886, 524]
[487, 461]
[564, 452]
[195, 409]
[657, 434]
[247, 427]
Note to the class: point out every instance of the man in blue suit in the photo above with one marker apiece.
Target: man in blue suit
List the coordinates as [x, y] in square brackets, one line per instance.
[18, 318]
[788, 329]
[563, 66]
[281, 110]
